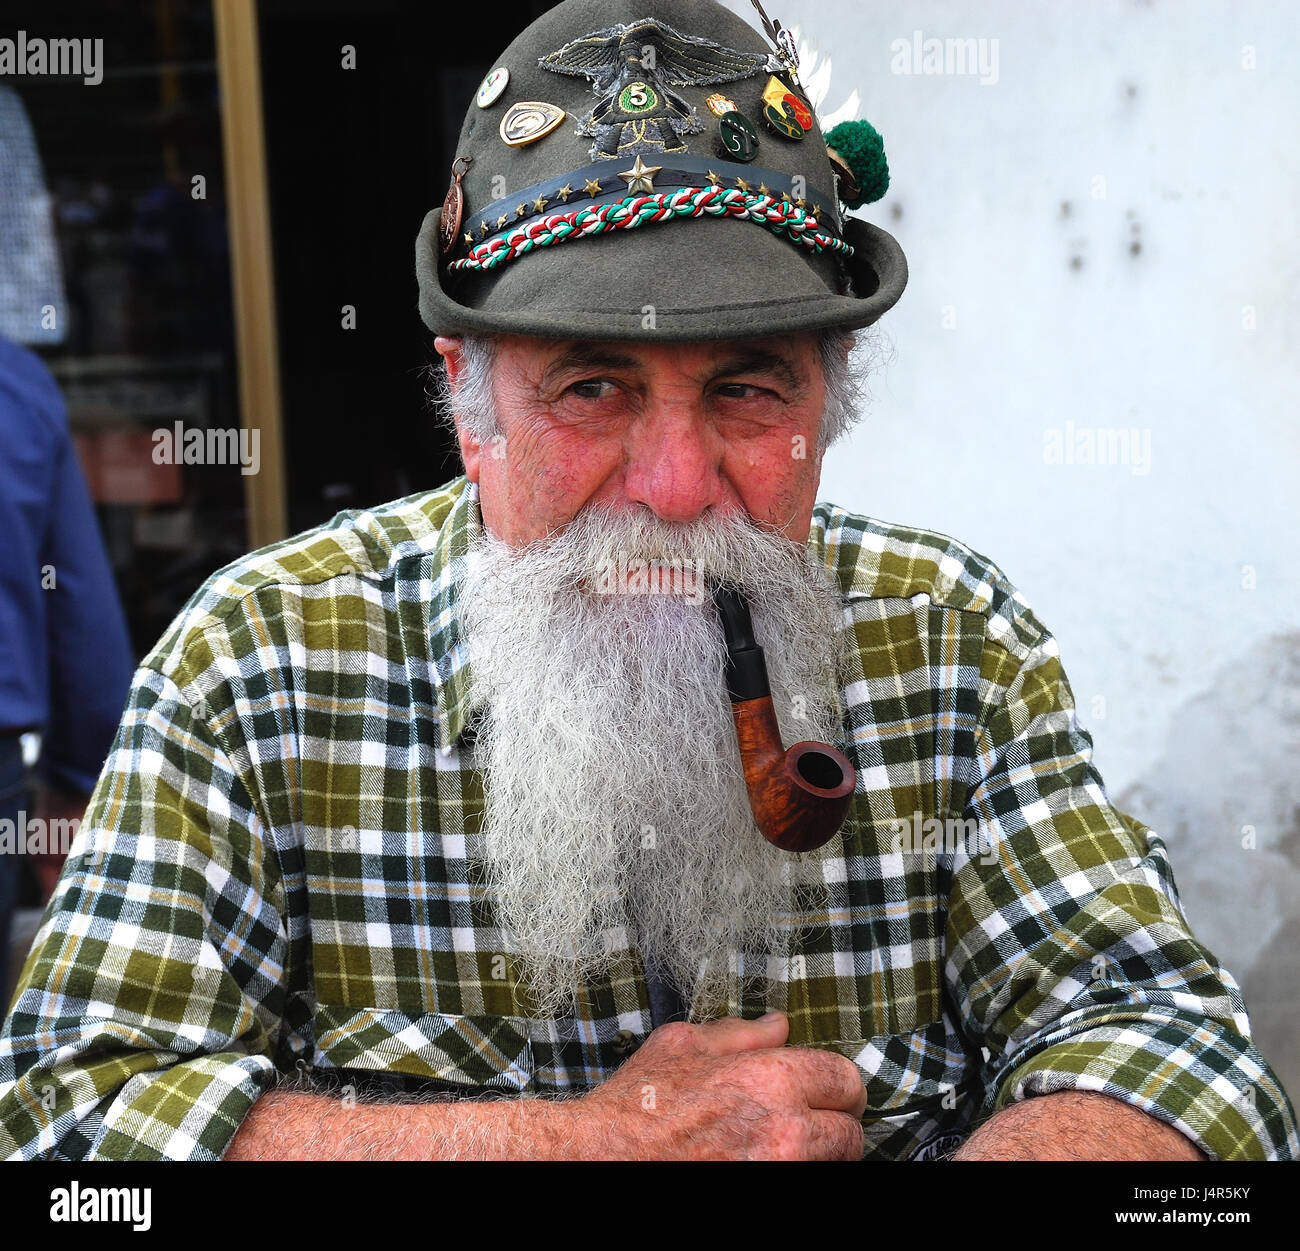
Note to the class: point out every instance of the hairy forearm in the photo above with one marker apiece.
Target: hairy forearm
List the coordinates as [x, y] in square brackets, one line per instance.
[1076, 1125]
[286, 1125]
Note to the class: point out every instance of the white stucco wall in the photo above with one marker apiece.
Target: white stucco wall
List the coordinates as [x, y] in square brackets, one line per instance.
[1172, 585]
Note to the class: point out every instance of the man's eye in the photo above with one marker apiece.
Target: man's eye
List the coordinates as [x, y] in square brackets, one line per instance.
[738, 391]
[592, 389]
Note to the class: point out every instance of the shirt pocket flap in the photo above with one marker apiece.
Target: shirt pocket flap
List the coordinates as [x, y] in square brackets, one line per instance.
[906, 1073]
[483, 1052]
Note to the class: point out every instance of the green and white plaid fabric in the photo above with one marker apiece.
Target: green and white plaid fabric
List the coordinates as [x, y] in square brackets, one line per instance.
[277, 872]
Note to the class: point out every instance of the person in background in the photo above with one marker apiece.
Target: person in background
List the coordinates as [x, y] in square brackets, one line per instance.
[65, 655]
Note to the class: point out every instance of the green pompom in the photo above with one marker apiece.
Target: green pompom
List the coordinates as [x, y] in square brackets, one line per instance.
[861, 148]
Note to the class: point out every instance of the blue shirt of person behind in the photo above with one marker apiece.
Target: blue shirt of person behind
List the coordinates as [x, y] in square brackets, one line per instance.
[65, 656]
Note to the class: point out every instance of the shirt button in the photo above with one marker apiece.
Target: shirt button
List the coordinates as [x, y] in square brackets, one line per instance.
[625, 1042]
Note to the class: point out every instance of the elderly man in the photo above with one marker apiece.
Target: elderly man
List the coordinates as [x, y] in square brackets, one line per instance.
[426, 834]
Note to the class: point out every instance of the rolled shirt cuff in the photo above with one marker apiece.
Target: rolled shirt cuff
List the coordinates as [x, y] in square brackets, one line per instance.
[1204, 1079]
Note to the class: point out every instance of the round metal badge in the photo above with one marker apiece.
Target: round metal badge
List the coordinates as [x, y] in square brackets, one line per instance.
[784, 112]
[802, 113]
[738, 135]
[493, 85]
[784, 119]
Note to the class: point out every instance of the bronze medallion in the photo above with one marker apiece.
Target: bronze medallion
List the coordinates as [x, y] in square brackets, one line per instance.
[453, 206]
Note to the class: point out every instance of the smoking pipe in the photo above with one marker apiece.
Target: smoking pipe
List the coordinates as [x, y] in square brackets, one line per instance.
[799, 796]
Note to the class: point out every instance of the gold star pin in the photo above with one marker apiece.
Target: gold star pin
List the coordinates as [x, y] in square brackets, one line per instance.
[564, 193]
[482, 230]
[742, 185]
[520, 211]
[714, 180]
[593, 186]
[641, 177]
[469, 238]
[762, 189]
[816, 210]
[501, 221]
[801, 202]
[539, 204]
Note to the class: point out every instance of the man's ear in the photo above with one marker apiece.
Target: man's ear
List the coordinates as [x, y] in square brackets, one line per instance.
[471, 451]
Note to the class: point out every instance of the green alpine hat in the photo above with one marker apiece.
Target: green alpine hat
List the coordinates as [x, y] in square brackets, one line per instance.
[651, 169]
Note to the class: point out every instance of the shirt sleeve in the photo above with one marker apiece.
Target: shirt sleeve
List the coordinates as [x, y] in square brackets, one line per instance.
[147, 1012]
[1069, 956]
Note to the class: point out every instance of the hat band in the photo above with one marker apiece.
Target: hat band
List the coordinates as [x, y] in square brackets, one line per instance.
[596, 184]
[780, 215]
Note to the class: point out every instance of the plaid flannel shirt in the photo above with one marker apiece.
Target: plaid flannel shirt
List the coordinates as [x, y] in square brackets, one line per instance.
[277, 872]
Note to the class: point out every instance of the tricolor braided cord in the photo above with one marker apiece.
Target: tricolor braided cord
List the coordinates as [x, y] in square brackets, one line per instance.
[778, 215]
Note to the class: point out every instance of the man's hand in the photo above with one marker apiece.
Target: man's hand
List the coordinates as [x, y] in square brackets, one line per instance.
[726, 1090]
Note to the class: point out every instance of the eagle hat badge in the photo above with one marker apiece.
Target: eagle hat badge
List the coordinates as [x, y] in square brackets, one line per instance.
[633, 68]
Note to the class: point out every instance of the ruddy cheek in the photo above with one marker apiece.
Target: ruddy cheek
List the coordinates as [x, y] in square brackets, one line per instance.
[772, 481]
[554, 478]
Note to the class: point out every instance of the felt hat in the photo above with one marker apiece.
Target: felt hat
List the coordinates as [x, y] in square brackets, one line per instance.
[651, 169]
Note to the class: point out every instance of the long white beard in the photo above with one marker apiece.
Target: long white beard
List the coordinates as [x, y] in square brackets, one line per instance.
[614, 794]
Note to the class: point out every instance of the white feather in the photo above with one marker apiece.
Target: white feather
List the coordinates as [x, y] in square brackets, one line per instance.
[816, 80]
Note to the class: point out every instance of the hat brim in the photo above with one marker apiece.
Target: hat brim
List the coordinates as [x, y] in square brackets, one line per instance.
[672, 281]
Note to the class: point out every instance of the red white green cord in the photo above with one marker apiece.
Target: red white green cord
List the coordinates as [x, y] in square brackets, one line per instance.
[779, 215]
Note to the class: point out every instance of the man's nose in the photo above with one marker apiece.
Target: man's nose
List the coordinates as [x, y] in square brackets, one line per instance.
[674, 465]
